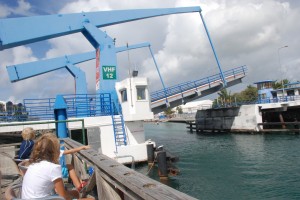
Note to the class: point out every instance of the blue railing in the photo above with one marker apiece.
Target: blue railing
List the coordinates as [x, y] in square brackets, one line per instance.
[259, 101]
[177, 89]
[39, 109]
[13, 116]
[79, 105]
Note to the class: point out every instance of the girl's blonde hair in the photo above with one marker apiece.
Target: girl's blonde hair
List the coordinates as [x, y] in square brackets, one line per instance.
[28, 133]
[46, 148]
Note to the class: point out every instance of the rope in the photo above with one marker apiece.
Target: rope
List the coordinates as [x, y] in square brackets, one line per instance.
[151, 165]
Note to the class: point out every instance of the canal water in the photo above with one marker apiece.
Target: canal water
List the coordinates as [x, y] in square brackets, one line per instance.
[230, 166]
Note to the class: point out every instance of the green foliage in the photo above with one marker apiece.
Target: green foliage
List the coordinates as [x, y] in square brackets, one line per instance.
[249, 94]
[278, 84]
[179, 109]
[169, 112]
[225, 98]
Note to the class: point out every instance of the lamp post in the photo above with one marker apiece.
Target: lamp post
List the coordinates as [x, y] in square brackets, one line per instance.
[281, 67]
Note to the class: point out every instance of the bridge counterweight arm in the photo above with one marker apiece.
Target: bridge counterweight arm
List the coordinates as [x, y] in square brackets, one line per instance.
[31, 69]
[20, 31]
[27, 70]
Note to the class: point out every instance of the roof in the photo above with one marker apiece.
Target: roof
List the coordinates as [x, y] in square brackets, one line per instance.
[197, 103]
[295, 83]
[266, 81]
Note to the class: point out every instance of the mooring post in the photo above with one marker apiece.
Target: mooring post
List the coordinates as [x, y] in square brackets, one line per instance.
[296, 126]
[150, 153]
[162, 164]
[282, 120]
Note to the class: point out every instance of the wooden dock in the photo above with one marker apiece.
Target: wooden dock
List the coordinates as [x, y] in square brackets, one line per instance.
[112, 180]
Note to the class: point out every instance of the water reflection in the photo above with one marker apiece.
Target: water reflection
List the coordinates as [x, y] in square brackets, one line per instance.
[231, 166]
[251, 147]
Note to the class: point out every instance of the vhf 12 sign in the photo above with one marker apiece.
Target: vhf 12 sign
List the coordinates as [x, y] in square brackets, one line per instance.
[109, 72]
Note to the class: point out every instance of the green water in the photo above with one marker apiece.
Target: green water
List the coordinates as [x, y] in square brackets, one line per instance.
[230, 166]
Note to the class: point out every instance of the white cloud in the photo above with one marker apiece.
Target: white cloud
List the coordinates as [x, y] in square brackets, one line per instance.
[4, 11]
[243, 32]
[23, 9]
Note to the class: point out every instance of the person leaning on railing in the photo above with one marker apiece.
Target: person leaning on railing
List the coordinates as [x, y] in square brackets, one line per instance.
[68, 169]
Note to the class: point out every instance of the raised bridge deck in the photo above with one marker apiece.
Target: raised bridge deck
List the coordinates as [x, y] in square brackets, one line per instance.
[191, 90]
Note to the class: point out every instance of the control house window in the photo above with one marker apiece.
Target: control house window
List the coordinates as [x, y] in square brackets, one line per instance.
[123, 95]
[141, 92]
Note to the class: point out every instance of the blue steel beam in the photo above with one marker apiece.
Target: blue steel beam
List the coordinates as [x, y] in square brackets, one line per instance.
[20, 31]
[80, 79]
[27, 70]
[31, 69]
[130, 47]
[214, 51]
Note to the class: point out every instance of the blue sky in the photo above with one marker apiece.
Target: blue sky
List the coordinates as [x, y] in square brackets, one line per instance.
[244, 33]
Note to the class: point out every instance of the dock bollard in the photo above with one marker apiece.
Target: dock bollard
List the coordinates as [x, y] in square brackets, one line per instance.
[162, 164]
[150, 153]
[191, 127]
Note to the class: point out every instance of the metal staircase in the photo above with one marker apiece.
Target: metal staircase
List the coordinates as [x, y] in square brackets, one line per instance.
[119, 130]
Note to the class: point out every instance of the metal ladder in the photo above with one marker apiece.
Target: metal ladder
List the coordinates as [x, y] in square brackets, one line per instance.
[119, 130]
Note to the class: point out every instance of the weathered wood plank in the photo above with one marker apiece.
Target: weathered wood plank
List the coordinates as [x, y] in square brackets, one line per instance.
[105, 190]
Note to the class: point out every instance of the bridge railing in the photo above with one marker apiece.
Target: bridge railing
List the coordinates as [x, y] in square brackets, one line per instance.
[280, 99]
[79, 105]
[177, 89]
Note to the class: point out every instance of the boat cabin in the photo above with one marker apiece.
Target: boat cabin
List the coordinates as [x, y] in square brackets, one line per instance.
[267, 94]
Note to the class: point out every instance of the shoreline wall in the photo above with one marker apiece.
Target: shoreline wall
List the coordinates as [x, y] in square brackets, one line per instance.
[234, 119]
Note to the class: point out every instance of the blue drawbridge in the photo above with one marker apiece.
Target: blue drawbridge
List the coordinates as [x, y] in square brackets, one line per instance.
[191, 90]
[25, 30]
[90, 105]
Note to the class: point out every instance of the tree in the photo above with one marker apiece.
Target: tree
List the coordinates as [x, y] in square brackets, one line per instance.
[169, 112]
[249, 94]
[225, 98]
[278, 84]
[179, 110]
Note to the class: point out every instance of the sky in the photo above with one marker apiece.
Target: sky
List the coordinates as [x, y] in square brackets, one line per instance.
[244, 32]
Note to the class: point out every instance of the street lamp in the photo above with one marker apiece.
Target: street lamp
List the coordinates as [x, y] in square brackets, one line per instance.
[281, 67]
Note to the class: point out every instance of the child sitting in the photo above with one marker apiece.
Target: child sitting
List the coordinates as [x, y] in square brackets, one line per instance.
[71, 171]
[43, 175]
[28, 134]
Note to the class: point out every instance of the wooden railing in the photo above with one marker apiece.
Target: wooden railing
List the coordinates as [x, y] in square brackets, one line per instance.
[116, 181]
